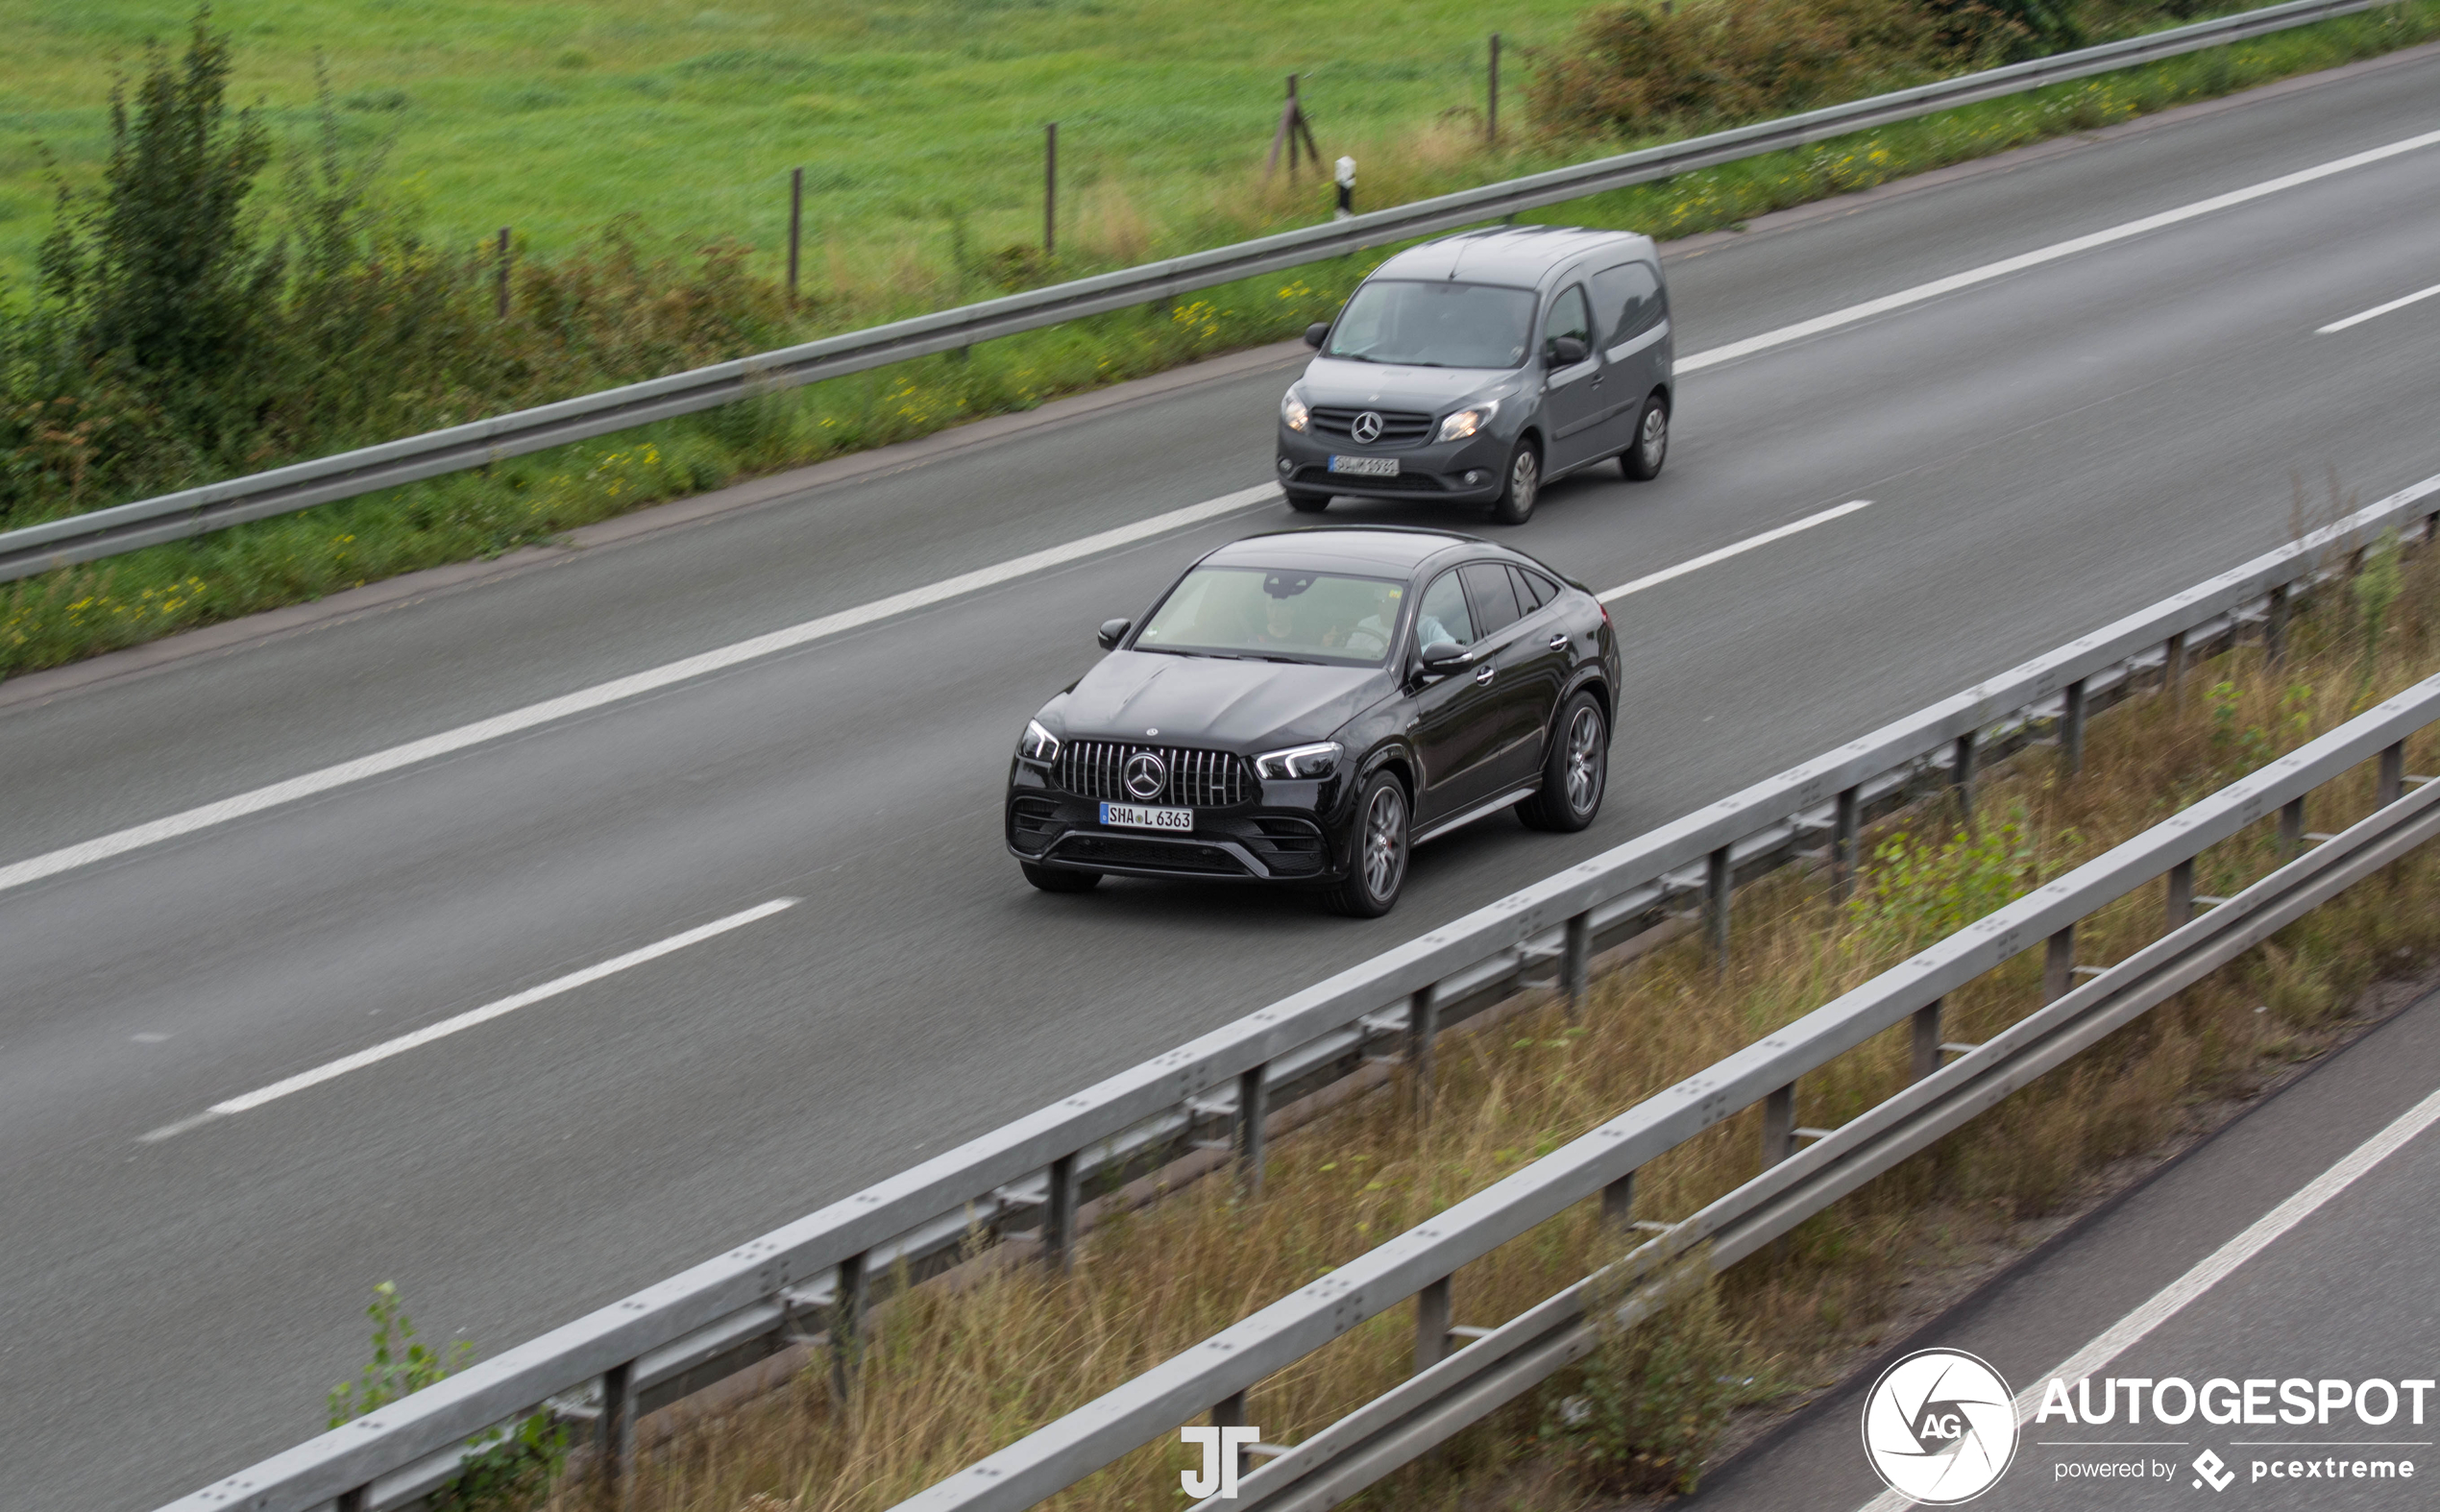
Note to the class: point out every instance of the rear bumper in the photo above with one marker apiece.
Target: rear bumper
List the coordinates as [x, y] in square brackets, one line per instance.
[1439, 470]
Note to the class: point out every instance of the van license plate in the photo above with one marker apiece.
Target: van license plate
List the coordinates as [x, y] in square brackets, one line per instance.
[1366, 466]
[1126, 816]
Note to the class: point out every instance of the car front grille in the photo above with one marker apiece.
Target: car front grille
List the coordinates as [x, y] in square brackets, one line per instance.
[1195, 779]
[1400, 428]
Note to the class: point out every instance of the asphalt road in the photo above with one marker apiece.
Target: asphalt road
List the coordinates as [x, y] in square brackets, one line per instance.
[2350, 1293]
[2044, 452]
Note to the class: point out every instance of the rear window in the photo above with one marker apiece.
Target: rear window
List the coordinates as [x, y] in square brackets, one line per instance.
[1275, 614]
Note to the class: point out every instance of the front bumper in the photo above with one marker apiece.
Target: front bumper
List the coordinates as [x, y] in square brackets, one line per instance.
[1435, 470]
[1290, 834]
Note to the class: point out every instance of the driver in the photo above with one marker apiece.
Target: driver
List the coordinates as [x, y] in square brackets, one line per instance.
[1279, 624]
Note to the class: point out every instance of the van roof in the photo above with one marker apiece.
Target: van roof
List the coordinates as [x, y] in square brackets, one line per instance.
[1518, 254]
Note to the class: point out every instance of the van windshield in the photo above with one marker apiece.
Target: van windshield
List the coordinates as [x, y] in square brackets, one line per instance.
[1434, 324]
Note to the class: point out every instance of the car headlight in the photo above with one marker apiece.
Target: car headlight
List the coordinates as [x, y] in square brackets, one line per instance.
[1293, 410]
[1466, 422]
[1039, 745]
[1299, 762]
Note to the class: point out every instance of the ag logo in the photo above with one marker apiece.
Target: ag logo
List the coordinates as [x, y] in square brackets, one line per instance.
[1940, 1426]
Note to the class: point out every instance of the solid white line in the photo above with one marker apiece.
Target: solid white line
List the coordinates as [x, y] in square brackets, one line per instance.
[2050, 253]
[2377, 311]
[135, 838]
[1726, 552]
[2172, 1299]
[484, 1015]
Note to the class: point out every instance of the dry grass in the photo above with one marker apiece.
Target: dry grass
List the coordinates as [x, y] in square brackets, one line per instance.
[950, 1377]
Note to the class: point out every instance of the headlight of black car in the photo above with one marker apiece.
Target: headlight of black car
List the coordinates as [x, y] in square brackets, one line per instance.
[1299, 762]
[1039, 745]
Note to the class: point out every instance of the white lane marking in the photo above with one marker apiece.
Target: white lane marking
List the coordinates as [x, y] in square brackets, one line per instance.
[2050, 253]
[154, 832]
[135, 838]
[2377, 311]
[1750, 542]
[2172, 1299]
[484, 1015]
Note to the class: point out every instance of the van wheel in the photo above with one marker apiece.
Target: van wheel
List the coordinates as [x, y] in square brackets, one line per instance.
[1515, 505]
[1641, 461]
[1305, 502]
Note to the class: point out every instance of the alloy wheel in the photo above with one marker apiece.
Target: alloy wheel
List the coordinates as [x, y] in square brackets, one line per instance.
[1654, 438]
[1386, 842]
[1525, 479]
[1585, 767]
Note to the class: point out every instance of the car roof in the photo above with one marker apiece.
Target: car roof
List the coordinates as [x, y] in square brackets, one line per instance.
[1518, 254]
[1396, 548]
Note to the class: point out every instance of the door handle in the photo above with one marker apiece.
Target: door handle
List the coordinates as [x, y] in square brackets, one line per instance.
[1483, 675]
[1559, 642]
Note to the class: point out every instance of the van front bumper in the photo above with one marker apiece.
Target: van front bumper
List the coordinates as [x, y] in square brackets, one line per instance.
[1468, 471]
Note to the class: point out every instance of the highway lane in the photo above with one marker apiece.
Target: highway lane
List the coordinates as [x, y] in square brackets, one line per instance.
[2043, 452]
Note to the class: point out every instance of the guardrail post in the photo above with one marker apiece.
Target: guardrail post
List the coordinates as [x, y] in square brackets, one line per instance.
[1719, 878]
[1779, 1126]
[1618, 1202]
[1961, 771]
[360, 1499]
[847, 1325]
[1422, 1027]
[1252, 1109]
[2071, 729]
[2180, 912]
[2291, 828]
[1431, 1325]
[2173, 670]
[1926, 1057]
[2393, 775]
[616, 1436]
[2274, 627]
[1229, 1412]
[1846, 832]
[1059, 1216]
[1575, 960]
[2058, 965]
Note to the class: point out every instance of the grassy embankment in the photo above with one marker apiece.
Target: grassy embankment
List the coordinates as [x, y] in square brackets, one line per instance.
[949, 1377]
[645, 314]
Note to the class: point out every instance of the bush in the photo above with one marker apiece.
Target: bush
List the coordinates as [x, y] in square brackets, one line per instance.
[1655, 1396]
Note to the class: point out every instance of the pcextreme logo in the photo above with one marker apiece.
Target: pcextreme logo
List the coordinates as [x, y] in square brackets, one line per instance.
[1940, 1426]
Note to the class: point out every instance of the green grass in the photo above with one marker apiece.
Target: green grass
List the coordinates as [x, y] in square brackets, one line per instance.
[553, 117]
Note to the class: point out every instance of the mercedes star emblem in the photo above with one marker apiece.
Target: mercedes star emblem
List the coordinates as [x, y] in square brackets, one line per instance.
[1367, 428]
[1146, 774]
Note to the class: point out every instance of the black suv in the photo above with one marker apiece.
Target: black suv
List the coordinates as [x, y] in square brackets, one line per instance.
[1306, 707]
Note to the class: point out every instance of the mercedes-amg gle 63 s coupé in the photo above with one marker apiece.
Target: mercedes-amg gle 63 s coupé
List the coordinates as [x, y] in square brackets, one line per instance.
[1304, 708]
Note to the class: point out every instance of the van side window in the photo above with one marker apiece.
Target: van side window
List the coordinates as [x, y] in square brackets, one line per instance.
[1568, 318]
[1495, 597]
[1626, 299]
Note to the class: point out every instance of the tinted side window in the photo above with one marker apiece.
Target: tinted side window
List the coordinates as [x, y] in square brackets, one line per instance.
[1443, 614]
[1495, 596]
[1533, 590]
[1568, 318]
[1626, 299]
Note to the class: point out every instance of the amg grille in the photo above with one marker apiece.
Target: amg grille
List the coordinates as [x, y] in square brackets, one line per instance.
[1400, 428]
[1195, 779]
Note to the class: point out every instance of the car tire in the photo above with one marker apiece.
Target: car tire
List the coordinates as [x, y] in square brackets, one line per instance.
[1059, 879]
[1641, 461]
[1523, 486]
[1305, 502]
[1384, 837]
[1576, 772]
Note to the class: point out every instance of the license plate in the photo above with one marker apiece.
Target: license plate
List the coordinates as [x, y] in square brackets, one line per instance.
[1366, 466]
[1126, 816]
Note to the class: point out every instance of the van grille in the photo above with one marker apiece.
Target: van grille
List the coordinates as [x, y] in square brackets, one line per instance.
[1195, 779]
[1400, 428]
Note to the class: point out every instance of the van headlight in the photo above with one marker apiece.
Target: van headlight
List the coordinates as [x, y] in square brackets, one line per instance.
[1466, 422]
[1293, 410]
[1299, 762]
[1039, 745]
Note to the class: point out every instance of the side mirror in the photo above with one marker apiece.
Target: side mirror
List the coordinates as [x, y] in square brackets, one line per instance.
[1442, 657]
[1113, 631]
[1317, 334]
[1567, 352]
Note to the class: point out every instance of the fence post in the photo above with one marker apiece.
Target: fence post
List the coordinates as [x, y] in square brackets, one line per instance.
[847, 1325]
[1252, 1110]
[1050, 189]
[2058, 965]
[1490, 114]
[1229, 1412]
[2291, 828]
[1961, 771]
[1431, 1325]
[2180, 910]
[1618, 1202]
[2393, 775]
[2173, 669]
[1845, 831]
[1719, 880]
[501, 303]
[1779, 1126]
[1423, 1026]
[1926, 1048]
[2274, 627]
[359, 1499]
[1059, 1216]
[1575, 962]
[2071, 729]
[795, 226]
[616, 1435]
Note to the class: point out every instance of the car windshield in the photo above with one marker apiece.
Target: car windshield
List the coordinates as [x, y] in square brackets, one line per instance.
[1437, 323]
[1278, 614]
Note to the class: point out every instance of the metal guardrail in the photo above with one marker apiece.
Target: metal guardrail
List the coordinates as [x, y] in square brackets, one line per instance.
[738, 1307]
[213, 507]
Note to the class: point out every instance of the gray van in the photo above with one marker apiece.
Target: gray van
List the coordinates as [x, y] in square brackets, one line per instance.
[1476, 367]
